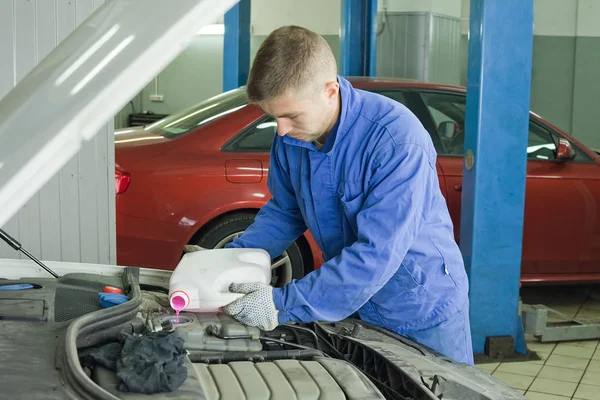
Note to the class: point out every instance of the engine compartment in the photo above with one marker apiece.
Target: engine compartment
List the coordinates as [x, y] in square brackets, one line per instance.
[48, 328]
[227, 360]
[314, 378]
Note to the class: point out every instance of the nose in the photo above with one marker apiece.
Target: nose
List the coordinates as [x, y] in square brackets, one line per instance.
[283, 127]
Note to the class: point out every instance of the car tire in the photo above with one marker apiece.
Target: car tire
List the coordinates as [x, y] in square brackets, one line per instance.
[228, 228]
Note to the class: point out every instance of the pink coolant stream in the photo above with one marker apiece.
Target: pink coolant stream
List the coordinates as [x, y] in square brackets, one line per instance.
[178, 302]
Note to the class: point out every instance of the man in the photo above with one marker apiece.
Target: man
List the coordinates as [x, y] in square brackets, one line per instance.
[359, 171]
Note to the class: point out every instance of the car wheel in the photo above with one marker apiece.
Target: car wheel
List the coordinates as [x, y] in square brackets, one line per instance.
[288, 266]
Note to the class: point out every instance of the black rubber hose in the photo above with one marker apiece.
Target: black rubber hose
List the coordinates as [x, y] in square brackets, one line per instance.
[305, 330]
[285, 343]
[109, 334]
[214, 331]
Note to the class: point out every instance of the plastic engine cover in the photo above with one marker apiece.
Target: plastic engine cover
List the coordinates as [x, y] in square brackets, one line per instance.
[193, 327]
[320, 378]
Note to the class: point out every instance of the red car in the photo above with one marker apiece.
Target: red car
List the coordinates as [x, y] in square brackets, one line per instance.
[199, 176]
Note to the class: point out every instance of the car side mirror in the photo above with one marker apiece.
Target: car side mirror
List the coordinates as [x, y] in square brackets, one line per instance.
[565, 150]
[447, 129]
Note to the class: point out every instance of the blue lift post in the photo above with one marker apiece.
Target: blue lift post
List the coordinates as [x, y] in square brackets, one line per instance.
[493, 198]
[358, 38]
[236, 46]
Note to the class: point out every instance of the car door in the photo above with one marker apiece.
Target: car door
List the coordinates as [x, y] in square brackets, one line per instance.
[248, 152]
[560, 234]
[562, 205]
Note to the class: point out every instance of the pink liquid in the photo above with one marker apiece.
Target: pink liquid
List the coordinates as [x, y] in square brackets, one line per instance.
[178, 304]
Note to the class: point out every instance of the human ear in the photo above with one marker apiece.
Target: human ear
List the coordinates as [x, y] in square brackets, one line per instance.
[332, 89]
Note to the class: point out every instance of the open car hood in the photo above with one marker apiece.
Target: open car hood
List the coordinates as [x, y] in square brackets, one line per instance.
[84, 82]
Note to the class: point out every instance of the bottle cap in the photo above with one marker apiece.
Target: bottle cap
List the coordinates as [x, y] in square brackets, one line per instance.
[111, 299]
[112, 289]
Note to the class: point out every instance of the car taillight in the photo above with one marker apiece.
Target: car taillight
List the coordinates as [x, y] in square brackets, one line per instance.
[122, 180]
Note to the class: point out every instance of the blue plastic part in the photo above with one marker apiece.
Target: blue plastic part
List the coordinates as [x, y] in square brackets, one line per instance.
[19, 286]
[493, 197]
[236, 46]
[111, 299]
[358, 38]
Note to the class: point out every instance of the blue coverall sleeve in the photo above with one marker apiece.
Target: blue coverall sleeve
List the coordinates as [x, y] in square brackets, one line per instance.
[279, 222]
[393, 213]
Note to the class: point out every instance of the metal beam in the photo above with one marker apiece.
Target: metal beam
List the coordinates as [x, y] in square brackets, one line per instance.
[358, 38]
[236, 46]
[535, 322]
[497, 121]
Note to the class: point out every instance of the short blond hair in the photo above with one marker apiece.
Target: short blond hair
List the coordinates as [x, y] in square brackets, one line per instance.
[290, 58]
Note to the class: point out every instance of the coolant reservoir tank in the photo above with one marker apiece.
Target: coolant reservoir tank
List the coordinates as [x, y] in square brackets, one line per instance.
[201, 280]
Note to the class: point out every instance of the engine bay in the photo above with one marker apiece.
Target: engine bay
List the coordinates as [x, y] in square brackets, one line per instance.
[228, 360]
[49, 327]
[223, 365]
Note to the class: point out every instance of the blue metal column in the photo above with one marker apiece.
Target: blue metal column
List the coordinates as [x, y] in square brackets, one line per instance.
[493, 199]
[236, 46]
[358, 38]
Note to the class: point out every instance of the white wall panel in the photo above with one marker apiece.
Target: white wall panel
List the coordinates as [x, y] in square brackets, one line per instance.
[588, 18]
[421, 46]
[451, 8]
[322, 17]
[72, 218]
[464, 18]
[7, 60]
[407, 6]
[555, 17]
[24, 51]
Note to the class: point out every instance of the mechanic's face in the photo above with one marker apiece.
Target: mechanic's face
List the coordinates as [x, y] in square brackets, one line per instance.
[306, 115]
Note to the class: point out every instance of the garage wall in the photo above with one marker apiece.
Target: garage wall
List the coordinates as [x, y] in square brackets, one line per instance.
[73, 217]
[419, 45]
[320, 16]
[566, 64]
[197, 73]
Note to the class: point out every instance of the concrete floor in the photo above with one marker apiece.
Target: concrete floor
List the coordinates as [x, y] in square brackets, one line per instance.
[567, 370]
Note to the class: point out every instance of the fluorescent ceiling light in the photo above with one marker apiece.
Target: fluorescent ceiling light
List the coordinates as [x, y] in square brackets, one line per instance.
[214, 29]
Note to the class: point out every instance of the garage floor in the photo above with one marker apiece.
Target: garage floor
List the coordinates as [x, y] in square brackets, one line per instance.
[567, 370]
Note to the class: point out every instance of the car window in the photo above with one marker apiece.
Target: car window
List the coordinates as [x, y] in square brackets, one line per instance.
[448, 113]
[256, 138]
[182, 122]
[543, 142]
[397, 95]
[541, 145]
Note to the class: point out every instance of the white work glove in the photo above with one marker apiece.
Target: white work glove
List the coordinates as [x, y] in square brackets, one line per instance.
[190, 248]
[256, 308]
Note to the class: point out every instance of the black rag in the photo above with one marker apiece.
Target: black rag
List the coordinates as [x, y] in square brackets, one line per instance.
[146, 364]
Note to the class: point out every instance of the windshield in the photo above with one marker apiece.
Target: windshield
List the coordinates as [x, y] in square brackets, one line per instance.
[182, 122]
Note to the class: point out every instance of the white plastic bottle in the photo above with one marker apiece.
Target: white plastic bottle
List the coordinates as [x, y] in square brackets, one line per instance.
[200, 283]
